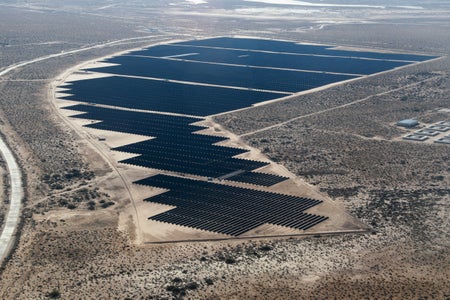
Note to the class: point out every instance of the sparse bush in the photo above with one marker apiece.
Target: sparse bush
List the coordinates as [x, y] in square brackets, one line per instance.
[177, 280]
[55, 294]
[230, 260]
[192, 286]
[107, 204]
[265, 248]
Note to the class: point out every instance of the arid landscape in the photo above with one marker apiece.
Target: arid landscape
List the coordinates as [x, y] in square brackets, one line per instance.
[79, 235]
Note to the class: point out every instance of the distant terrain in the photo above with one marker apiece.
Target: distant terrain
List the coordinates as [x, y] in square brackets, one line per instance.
[342, 141]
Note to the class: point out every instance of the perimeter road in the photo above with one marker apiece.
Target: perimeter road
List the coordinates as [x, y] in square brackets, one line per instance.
[16, 196]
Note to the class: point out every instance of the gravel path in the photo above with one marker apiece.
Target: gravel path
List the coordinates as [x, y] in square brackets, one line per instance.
[15, 200]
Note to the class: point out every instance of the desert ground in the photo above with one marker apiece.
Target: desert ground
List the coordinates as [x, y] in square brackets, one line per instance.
[73, 243]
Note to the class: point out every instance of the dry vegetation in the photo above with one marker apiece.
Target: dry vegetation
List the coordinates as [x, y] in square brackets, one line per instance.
[406, 35]
[399, 188]
[357, 145]
[38, 35]
[98, 262]
[259, 117]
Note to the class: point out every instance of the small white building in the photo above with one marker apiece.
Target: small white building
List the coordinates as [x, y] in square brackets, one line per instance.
[408, 123]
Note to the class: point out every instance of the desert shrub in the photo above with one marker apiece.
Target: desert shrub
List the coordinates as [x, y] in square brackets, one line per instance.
[192, 285]
[55, 294]
[107, 204]
[230, 260]
[265, 248]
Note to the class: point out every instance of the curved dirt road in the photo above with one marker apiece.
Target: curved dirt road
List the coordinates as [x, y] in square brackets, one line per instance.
[16, 194]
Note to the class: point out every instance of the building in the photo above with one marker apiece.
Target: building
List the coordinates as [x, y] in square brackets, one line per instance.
[408, 123]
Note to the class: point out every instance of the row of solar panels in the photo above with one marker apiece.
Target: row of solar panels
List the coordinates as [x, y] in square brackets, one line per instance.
[277, 80]
[164, 96]
[337, 64]
[175, 147]
[277, 46]
[215, 169]
[226, 209]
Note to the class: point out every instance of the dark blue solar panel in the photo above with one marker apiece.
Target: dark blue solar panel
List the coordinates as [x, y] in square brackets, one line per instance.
[257, 178]
[275, 60]
[175, 146]
[163, 96]
[292, 47]
[228, 210]
[225, 75]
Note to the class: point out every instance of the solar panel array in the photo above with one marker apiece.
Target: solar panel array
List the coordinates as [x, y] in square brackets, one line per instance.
[202, 78]
[219, 74]
[227, 209]
[164, 96]
[176, 147]
[291, 61]
[292, 47]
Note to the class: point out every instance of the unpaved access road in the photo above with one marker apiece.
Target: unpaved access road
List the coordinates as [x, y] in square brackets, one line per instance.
[17, 192]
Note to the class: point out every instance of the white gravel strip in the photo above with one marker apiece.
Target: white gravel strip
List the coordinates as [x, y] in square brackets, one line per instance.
[15, 200]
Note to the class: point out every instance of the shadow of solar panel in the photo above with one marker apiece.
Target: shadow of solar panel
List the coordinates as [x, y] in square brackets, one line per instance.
[227, 209]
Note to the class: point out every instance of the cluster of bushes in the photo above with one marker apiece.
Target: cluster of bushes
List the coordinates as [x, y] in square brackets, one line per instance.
[59, 181]
[88, 198]
[178, 288]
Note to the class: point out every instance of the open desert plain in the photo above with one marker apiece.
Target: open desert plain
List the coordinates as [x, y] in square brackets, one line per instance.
[242, 149]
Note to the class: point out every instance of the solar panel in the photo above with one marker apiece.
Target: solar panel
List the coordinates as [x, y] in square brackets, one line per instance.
[175, 147]
[279, 81]
[163, 96]
[226, 209]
